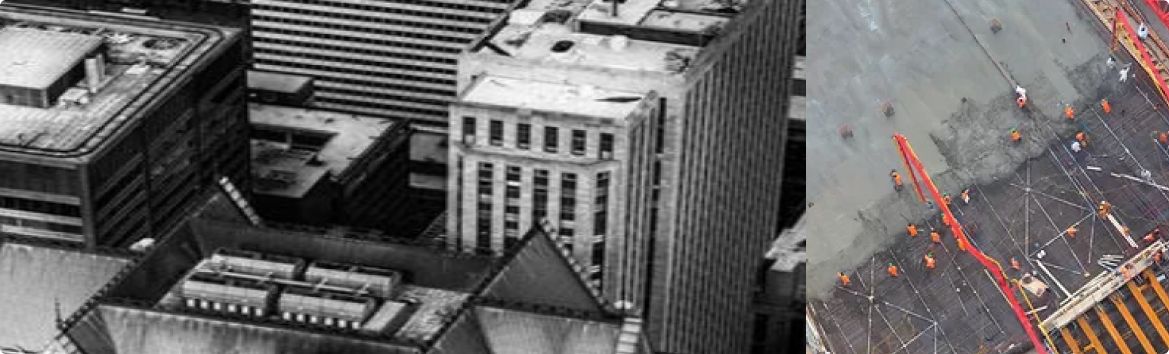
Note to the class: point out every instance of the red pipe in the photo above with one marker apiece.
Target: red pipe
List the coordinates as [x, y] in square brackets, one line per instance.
[991, 265]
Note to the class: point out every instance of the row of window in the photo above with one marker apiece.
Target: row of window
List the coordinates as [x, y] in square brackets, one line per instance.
[578, 142]
[377, 9]
[362, 49]
[260, 29]
[361, 29]
[41, 225]
[39, 206]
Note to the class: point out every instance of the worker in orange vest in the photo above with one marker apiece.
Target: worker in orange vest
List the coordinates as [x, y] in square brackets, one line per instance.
[1069, 112]
[1105, 106]
[1016, 265]
[961, 245]
[911, 229]
[947, 199]
[935, 237]
[892, 270]
[1082, 138]
[896, 180]
[1104, 209]
[1016, 136]
[1071, 231]
[930, 263]
[844, 280]
[1162, 137]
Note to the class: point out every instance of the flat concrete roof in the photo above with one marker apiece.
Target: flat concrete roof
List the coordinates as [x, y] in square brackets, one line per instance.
[278, 82]
[630, 13]
[590, 49]
[36, 59]
[351, 136]
[553, 97]
[686, 21]
[71, 130]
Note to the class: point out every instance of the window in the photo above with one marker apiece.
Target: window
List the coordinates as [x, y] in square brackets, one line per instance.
[523, 138]
[539, 195]
[483, 222]
[606, 148]
[468, 130]
[496, 132]
[513, 173]
[550, 143]
[568, 196]
[579, 139]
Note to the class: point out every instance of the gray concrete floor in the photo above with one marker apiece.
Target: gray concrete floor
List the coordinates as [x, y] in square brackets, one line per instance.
[951, 101]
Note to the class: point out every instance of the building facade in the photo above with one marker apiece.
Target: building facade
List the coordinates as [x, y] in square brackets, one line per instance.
[384, 58]
[722, 71]
[573, 160]
[122, 152]
[232, 13]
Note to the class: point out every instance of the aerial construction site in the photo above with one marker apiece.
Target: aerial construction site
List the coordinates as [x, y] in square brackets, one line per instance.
[990, 176]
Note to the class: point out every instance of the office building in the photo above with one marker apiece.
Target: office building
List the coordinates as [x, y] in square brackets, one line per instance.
[217, 284]
[722, 73]
[780, 298]
[321, 167]
[112, 126]
[795, 165]
[570, 158]
[385, 58]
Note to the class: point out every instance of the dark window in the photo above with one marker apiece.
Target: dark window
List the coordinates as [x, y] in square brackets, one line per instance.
[579, 140]
[496, 132]
[513, 173]
[550, 143]
[523, 137]
[468, 130]
[606, 148]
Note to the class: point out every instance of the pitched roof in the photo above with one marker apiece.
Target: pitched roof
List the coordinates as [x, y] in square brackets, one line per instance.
[36, 279]
[540, 273]
[513, 331]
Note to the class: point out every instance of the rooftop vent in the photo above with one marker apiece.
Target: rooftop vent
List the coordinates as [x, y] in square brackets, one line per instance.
[161, 43]
[379, 282]
[562, 46]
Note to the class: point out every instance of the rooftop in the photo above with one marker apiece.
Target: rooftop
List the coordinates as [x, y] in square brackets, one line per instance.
[278, 82]
[688, 15]
[537, 43]
[552, 97]
[35, 58]
[304, 145]
[143, 58]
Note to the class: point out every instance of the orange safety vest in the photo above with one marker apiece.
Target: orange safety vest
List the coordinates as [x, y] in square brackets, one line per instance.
[892, 270]
[844, 280]
[1163, 138]
[896, 178]
[1081, 137]
[935, 237]
[1016, 136]
[1021, 101]
[1072, 231]
[1069, 112]
[912, 229]
[930, 263]
[1107, 107]
[961, 245]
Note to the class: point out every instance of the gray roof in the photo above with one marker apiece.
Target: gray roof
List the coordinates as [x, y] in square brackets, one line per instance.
[36, 58]
[511, 331]
[35, 279]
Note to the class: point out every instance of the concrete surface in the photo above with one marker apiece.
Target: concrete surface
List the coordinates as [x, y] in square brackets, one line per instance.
[951, 101]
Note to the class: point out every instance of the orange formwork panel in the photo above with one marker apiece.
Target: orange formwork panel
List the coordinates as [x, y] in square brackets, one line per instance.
[1148, 310]
[1132, 324]
[1097, 347]
[1112, 332]
[1156, 285]
[1071, 341]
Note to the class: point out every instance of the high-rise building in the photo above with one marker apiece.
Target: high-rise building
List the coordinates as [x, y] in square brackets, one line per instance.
[574, 159]
[232, 13]
[722, 72]
[112, 126]
[795, 168]
[385, 58]
[780, 299]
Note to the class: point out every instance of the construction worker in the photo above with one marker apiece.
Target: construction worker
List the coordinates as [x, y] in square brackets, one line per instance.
[1016, 265]
[1149, 237]
[966, 196]
[911, 229]
[896, 180]
[930, 263]
[1105, 106]
[892, 270]
[1157, 257]
[1016, 137]
[1022, 93]
[946, 198]
[1069, 112]
[1071, 231]
[961, 245]
[1082, 138]
[1163, 138]
[1104, 209]
[935, 236]
[844, 280]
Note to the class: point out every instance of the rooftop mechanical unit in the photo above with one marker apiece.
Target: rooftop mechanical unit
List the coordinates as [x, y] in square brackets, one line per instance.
[207, 291]
[253, 263]
[378, 282]
[324, 307]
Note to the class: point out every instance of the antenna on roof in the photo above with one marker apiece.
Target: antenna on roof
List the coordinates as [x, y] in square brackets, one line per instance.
[614, 10]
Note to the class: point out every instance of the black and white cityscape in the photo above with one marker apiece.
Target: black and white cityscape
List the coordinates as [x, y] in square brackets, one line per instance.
[402, 176]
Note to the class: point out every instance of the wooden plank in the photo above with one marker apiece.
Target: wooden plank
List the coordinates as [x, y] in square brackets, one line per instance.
[1132, 324]
[1092, 338]
[1112, 332]
[1152, 315]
